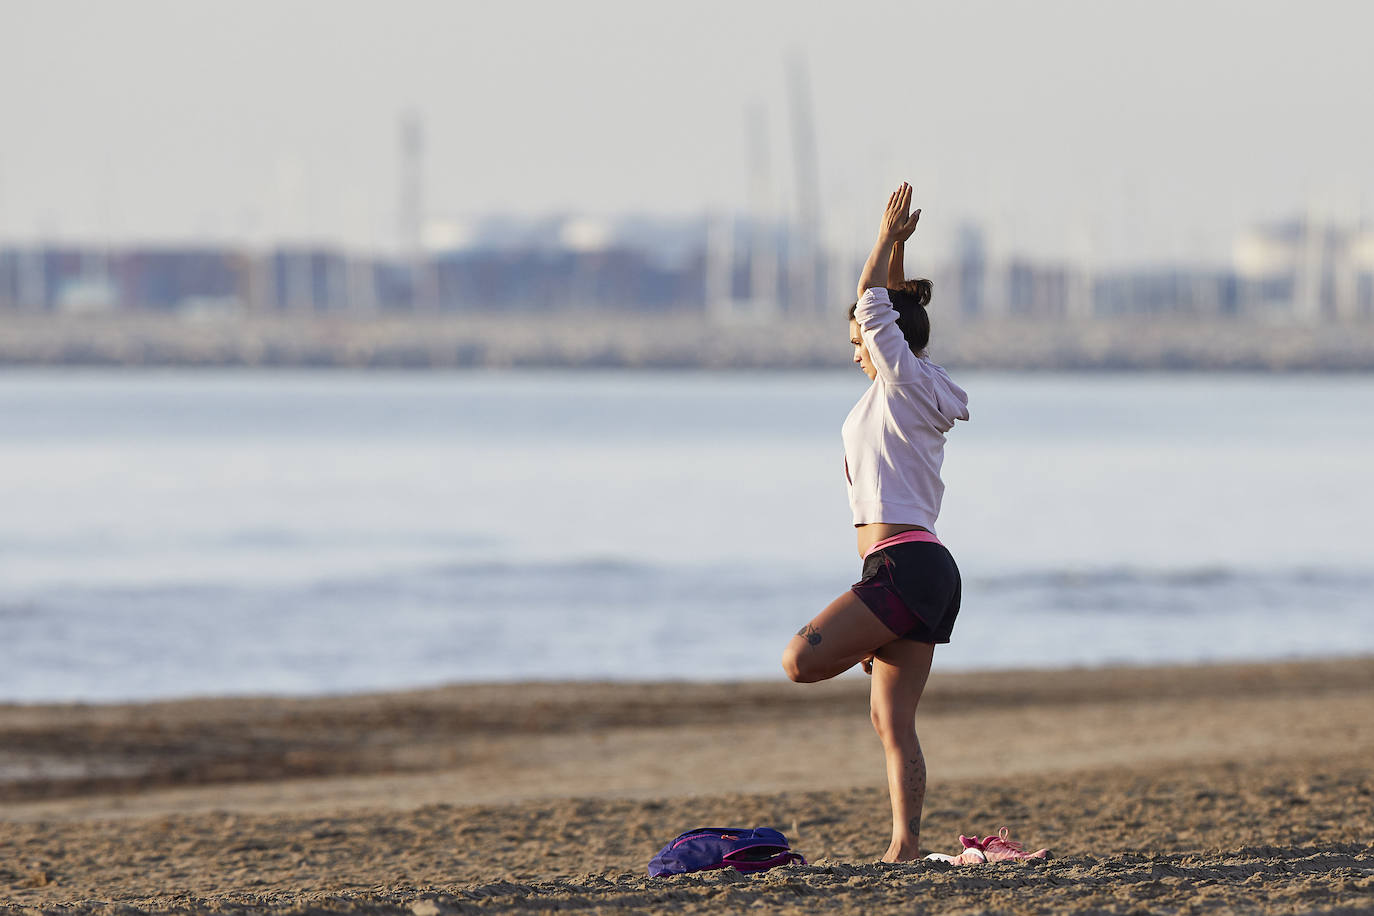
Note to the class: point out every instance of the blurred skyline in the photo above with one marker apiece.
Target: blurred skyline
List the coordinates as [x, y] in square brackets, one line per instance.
[1117, 133]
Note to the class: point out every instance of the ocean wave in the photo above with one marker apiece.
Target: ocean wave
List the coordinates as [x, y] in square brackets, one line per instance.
[19, 610]
[1196, 578]
[1201, 591]
[599, 616]
[582, 582]
[598, 578]
[110, 542]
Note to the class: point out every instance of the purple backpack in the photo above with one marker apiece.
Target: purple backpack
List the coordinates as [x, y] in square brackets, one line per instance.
[723, 847]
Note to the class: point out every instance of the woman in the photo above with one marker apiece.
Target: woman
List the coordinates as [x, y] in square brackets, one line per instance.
[906, 602]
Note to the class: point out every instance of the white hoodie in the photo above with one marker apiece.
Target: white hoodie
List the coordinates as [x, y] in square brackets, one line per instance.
[894, 438]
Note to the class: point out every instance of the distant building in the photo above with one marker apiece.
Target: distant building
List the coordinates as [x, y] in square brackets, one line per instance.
[970, 270]
[732, 268]
[1306, 270]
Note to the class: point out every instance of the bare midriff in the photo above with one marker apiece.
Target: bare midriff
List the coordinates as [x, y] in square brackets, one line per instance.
[878, 531]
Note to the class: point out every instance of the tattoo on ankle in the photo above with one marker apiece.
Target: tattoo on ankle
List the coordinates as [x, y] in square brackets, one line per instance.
[914, 825]
[810, 634]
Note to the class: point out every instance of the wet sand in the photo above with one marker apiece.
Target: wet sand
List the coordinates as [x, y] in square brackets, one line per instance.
[1225, 788]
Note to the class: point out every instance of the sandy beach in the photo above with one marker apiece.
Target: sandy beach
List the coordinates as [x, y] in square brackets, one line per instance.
[1179, 790]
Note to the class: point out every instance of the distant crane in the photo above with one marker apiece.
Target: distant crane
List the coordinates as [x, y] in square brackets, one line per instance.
[1311, 267]
[802, 295]
[720, 266]
[763, 244]
[423, 295]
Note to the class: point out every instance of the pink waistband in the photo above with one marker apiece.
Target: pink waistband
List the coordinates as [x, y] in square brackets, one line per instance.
[906, 537]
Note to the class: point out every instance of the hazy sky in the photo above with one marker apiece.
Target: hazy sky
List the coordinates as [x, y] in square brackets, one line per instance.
[1134, 131]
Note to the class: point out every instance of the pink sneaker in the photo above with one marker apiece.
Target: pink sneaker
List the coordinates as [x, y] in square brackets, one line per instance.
[1001, 848]
[971, 856]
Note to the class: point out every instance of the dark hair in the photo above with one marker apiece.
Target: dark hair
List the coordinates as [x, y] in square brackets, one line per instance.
[909, 300]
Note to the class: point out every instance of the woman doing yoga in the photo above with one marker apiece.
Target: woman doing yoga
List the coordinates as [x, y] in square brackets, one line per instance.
[907, 600]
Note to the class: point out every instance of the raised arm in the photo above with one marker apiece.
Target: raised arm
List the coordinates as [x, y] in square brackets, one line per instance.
[877, 319]
[897, 225]
[896, 271]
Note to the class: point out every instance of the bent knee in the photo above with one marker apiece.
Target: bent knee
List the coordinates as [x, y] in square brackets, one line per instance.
[798, 667]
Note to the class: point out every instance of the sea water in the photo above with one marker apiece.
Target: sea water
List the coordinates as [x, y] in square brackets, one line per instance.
[175, 533]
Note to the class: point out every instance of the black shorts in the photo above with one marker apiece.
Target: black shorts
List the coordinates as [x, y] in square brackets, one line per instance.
[913, 589]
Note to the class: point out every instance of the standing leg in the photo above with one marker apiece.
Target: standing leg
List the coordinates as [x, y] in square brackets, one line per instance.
[900, 669]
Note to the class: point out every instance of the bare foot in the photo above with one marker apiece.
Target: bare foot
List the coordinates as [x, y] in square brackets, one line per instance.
[902, 852]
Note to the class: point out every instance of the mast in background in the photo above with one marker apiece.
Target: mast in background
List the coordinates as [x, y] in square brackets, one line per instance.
[804, 283]
[423, 295]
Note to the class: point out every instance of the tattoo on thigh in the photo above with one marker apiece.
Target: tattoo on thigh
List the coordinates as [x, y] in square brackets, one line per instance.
[810, 634]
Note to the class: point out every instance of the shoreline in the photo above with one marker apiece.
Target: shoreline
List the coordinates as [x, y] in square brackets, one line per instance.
[569, 689]
[1173, 788]
[55, 755]
[592, 340]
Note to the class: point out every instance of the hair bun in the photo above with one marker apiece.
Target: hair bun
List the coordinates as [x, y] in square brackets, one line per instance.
[917, 292]
[910, 300]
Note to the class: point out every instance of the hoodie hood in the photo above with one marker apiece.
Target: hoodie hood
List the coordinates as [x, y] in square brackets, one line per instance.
[949, 400]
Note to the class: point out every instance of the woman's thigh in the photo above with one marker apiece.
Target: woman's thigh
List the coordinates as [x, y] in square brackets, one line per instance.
[837, 639]
[900, 671]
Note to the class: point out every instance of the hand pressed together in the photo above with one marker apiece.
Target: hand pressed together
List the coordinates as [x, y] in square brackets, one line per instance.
[898, 220]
